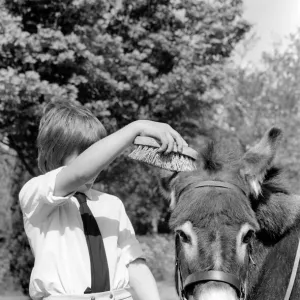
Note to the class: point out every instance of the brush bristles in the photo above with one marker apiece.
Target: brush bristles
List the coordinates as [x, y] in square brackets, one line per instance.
[174, 161]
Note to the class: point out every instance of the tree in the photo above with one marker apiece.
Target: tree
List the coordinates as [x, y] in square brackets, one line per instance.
[6, 166]
[124, 60]
[269, 96]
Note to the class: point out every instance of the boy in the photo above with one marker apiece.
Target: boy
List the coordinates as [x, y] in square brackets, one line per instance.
[72, 150]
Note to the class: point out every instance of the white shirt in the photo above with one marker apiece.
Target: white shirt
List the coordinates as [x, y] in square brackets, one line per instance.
[55, 232]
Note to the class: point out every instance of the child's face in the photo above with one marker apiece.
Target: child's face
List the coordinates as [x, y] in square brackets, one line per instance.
[84, 188]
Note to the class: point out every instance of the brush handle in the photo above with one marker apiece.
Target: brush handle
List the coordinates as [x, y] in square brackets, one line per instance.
[151, 142]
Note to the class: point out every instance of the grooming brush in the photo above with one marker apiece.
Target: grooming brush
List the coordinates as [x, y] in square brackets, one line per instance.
[147, 152]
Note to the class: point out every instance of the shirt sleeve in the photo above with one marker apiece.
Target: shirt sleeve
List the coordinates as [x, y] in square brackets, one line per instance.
[36, 197]
[129, 245]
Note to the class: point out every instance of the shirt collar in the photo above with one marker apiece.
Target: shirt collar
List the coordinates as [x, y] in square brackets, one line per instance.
[88, 194]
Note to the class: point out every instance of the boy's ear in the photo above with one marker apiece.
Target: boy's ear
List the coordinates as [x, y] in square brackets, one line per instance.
[258, 159]
[167, 181]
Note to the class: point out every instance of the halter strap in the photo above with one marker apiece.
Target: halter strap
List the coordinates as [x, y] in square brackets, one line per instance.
[213, 276]
[220, 184]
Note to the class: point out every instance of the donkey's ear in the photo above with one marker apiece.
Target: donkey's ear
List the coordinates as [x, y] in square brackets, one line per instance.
[258, 159]
[166, 181]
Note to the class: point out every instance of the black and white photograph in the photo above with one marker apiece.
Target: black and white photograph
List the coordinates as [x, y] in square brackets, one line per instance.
[149, 149]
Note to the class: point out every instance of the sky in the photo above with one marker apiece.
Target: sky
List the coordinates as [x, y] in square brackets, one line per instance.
[273, 21]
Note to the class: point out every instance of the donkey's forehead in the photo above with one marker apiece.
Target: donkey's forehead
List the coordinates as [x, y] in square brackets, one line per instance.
[206, 205]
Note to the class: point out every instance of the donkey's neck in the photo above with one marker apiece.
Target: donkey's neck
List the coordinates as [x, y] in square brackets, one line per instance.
[259, 254]
[276, 216]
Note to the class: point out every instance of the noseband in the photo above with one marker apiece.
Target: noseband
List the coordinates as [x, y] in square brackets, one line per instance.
[211, 275]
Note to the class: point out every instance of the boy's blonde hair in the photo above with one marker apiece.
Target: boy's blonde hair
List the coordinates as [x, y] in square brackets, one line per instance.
[65, 129]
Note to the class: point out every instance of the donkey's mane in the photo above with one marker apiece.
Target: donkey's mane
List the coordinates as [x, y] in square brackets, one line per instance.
[275, 181]
[216, 155]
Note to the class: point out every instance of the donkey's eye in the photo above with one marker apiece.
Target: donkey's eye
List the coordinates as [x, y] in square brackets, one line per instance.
[183, 237]
[248, 236]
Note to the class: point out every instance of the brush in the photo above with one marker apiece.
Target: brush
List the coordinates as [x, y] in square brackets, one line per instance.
[147, 152]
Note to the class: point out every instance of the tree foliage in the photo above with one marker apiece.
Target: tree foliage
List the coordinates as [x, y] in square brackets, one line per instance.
[125, 60]
[141, 59]
[268, 96]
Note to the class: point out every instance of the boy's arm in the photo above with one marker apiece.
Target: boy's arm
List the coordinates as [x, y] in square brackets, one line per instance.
[142, 281]
[93, 160]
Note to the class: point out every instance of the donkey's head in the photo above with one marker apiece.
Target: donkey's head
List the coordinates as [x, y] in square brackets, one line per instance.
[214, 217]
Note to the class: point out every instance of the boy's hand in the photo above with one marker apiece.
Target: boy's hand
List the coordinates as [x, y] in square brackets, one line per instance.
[141, 280]
[170, 139]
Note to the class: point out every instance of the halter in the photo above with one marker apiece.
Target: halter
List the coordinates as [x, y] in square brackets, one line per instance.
[212, 275]
[220, 276]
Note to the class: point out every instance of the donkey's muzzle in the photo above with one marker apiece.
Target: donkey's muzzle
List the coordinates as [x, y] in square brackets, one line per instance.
[213, 290]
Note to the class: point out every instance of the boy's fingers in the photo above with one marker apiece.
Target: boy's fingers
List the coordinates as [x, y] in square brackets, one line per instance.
[179, 141]
[170, 143]
[164, 143]
[175, 147]
[176, 136]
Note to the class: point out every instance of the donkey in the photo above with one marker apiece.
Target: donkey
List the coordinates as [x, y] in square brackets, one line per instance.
[236, 225]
